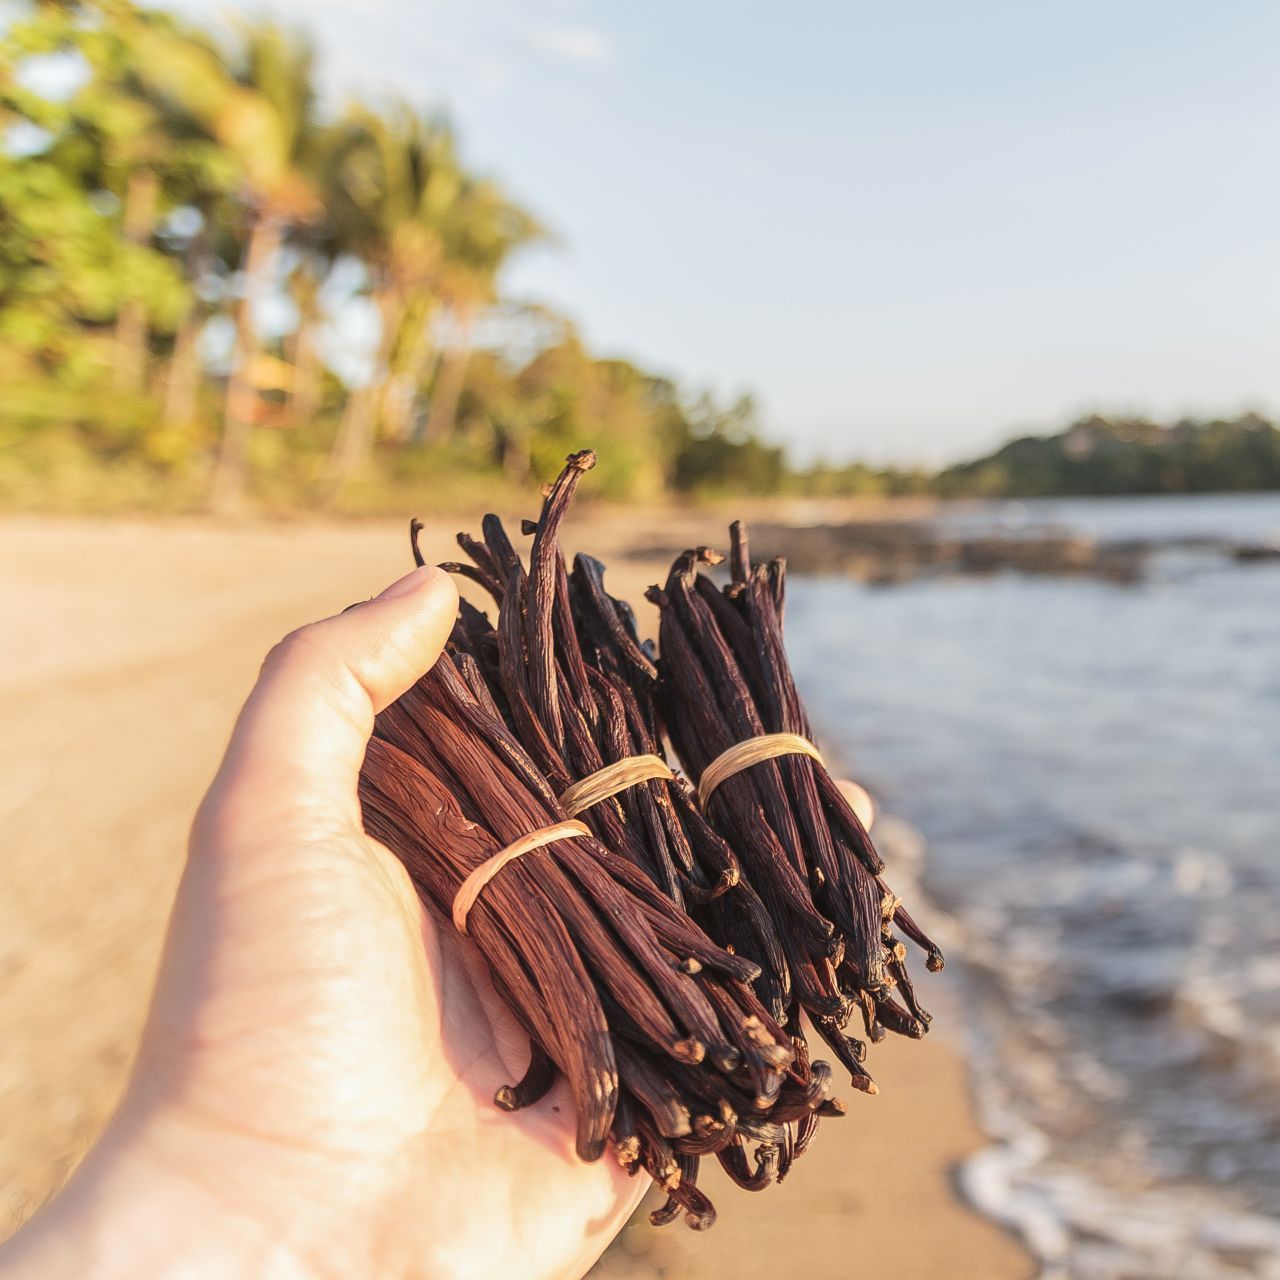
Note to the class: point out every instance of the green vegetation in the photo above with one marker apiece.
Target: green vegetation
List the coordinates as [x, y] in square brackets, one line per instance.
[1124, 456]
[213, 294]
[1094, 456]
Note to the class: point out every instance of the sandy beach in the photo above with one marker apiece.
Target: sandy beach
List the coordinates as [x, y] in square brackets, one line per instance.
[128, 647]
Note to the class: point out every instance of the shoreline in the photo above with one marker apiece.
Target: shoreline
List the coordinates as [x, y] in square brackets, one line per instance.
[135, 643]
[881, 1190]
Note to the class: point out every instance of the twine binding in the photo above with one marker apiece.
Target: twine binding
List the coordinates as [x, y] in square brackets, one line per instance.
[742, 755]
[606, 782]
[474, 884]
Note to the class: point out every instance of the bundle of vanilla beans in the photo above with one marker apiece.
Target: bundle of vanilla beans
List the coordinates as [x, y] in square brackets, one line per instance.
[659, 949]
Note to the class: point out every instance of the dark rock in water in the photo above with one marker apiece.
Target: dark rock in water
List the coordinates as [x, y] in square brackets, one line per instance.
[887, 552]
[896, 551]
[1256, 551]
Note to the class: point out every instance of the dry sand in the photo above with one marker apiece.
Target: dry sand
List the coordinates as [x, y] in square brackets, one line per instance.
[127, 648]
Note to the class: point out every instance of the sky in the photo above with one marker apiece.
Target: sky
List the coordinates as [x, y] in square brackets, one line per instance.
[911, 227]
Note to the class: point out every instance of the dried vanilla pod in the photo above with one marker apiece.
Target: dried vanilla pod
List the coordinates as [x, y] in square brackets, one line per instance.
[769, 860]
[725, 680]
[578, 688]
[595, 712]
[668, 1053]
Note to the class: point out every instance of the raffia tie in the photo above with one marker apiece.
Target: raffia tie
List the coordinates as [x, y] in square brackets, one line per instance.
[606, 782]
[742, 755]
[474, 884]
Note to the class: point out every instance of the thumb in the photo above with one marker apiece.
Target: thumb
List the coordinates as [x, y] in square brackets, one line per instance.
[300, 740]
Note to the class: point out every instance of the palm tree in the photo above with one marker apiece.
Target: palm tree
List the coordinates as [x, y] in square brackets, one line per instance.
[484, 230]
[401, 199]
[182, 372]
[301, 348]
[390, 178]
[148, 112]
[136, 137]
[268, 123]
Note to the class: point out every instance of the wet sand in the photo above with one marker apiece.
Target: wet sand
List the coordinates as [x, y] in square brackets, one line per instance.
[127, 649]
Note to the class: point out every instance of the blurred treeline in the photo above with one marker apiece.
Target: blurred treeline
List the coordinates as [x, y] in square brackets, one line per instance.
[1099, 455]
[212, 292]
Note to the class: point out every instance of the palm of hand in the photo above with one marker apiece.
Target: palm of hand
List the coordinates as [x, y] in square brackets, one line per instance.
[313, 1095]
[320, 1061]
[314, 1091]
[333, 1055]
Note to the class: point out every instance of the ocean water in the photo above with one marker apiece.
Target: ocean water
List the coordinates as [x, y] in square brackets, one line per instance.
[1096, 771]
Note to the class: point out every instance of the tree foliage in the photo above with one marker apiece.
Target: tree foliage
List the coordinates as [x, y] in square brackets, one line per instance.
[166, 200]
[1100, 455]
[214, 291]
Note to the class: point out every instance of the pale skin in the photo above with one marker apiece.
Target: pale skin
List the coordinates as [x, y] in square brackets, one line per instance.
[313, 1096]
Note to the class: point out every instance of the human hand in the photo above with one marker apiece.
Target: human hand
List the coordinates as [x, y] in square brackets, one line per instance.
[860, 801]
[314, 1091]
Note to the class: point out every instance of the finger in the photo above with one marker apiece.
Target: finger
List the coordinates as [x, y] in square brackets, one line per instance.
[300, 740]
[860, 801]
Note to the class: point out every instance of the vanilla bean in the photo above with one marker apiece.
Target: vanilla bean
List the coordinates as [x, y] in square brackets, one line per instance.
[624, 994]
[663, 963]
[725, 679]
[733, 1159]
[579, 690]
[684, 1195]
[533, 1086]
